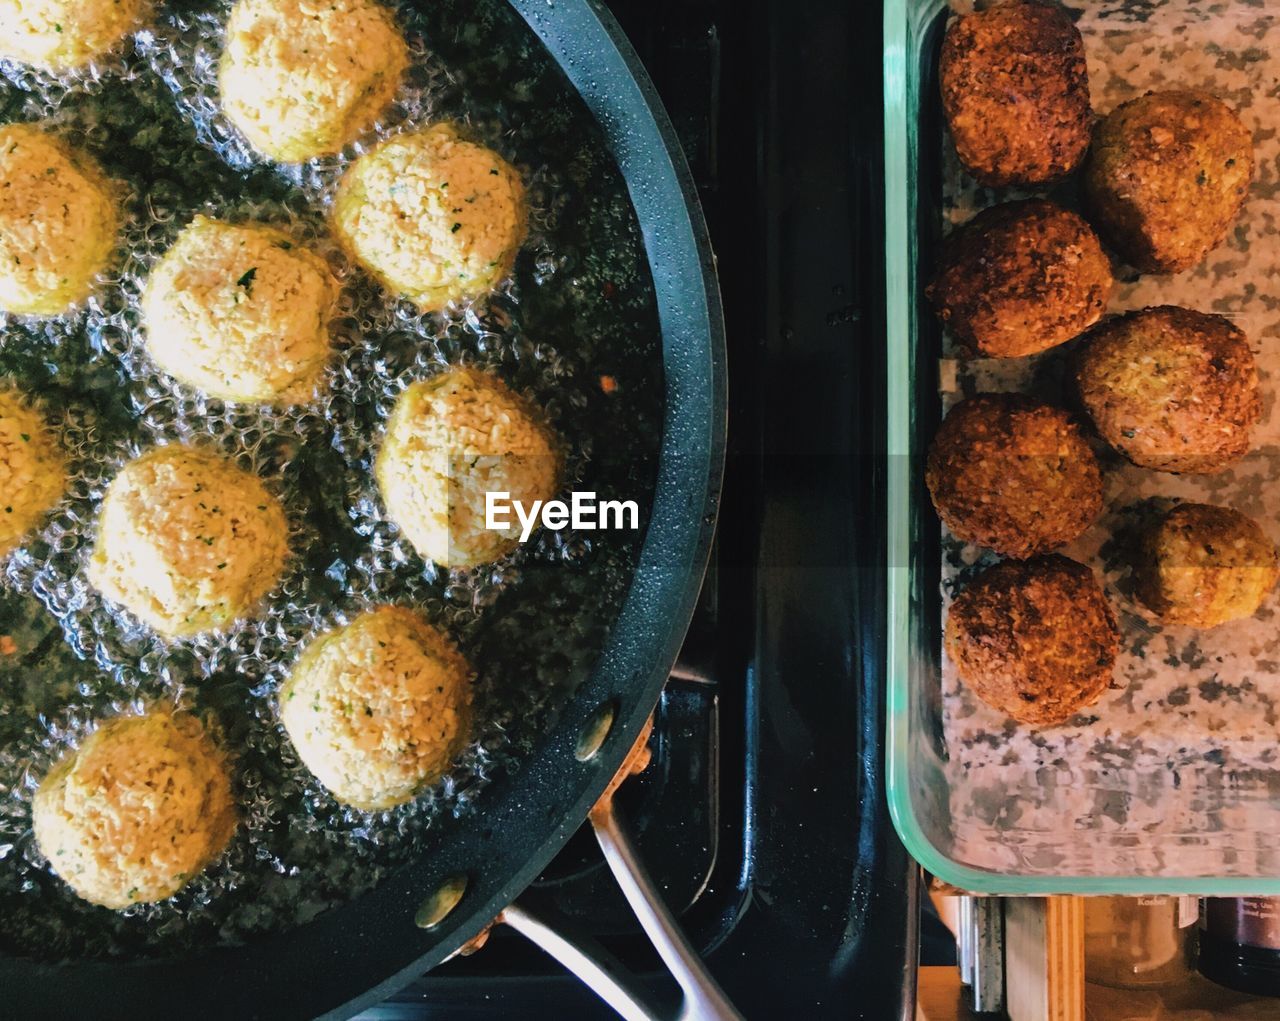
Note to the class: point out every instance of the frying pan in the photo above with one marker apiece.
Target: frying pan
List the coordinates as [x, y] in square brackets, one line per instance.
[357, 954]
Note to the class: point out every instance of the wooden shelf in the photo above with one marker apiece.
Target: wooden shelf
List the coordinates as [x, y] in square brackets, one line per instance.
[940, 997]
[1045, 978]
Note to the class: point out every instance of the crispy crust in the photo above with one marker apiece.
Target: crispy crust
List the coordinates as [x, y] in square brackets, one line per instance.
[1203, 566]
[1021, 278]
[1171, 388]
[1013, 474]
[1015, 90]
[1167, 177]
[1036, 640]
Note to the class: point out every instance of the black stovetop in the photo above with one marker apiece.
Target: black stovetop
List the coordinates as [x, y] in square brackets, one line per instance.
[763, 815]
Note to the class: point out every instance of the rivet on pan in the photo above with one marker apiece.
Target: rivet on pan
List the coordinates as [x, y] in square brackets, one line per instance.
[436, 908]
[596, 730]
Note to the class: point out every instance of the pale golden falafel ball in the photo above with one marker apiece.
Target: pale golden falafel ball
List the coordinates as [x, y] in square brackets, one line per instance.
[1203, 566]
[1167, 177]
[241, 313]
[434, 217]
[61, 35]
[1015, 91]
[450, 440]
[188, 541]
[33, 471]
[59, 218]
[379, 709]
[304, 78]
[1020, 278]
[1013, 474]
[1034, 639]
[138, 810]
[1171, 388]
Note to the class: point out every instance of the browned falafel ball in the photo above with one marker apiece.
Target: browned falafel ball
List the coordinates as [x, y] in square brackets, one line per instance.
[1167, 176]
[1021, 278]
[1171, 388]
[1015, 90]
[1035, 639]
[1203, 566]
[1013, 474]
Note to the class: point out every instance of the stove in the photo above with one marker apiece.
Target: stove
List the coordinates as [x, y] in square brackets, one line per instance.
[762, 817]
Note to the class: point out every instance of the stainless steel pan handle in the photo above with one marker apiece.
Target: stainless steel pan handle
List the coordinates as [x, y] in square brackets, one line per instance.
[703, 999]
[616, 988]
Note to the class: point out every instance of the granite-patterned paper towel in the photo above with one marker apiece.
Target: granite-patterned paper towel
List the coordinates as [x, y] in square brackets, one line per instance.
[1176, 771]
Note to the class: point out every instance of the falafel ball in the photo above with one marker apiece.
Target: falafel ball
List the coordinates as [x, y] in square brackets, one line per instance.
[1034, 639]
[1167, 177]
[240, 312]
[1203, 566]
[1021, 278]
[304, 78]
[58, 222]
[62, 35]
[1171, 388]
[32, 469]
[141, 807]
[379, 709]
[450, 440]
[188, 541]
[434, 217]
[1015, 91]
[1013, 474]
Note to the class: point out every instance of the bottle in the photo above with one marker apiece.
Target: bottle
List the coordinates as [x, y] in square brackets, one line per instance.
[1240, 944]
[1138, 942]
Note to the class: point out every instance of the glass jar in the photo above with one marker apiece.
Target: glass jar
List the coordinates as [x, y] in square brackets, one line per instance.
[1138, 942]
[1240, 944]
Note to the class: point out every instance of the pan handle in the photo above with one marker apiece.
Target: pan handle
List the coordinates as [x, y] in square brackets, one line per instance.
[590, 965]
[703, 999]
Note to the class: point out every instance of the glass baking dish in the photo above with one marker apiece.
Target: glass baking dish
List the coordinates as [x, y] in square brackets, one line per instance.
[1203, 831]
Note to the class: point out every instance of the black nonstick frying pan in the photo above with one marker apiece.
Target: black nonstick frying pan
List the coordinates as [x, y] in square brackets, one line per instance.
[357, 954]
